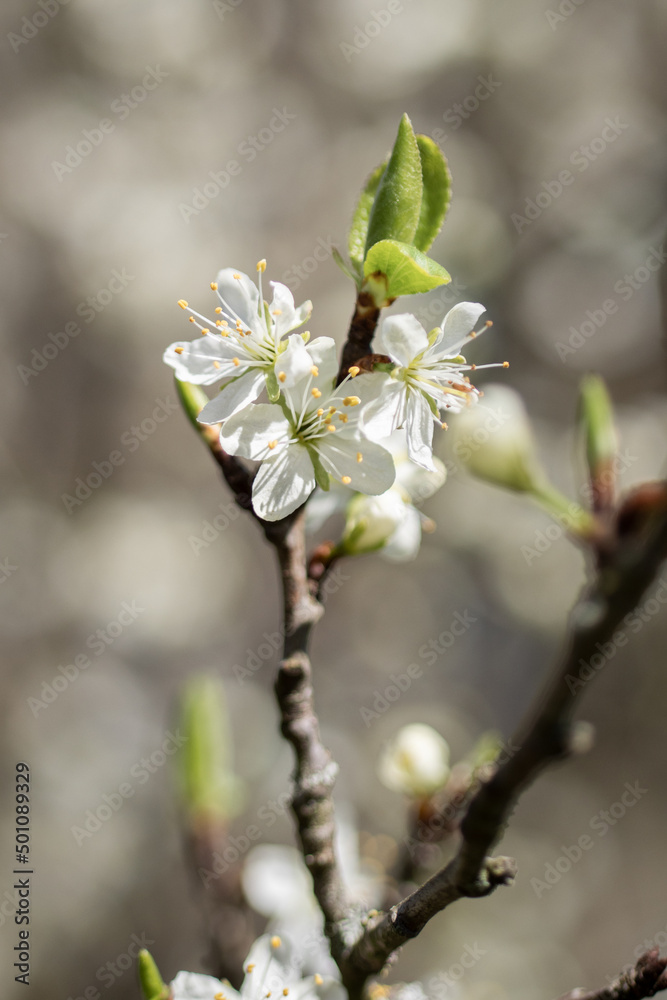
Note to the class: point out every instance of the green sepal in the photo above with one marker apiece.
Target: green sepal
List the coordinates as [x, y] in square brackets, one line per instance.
[305, 336]
[433, 405]
[596, 417]
[356, 241]
[272, 385]
[408, 270]
[397, 204]
[322, 477]
[152, 985]
[436, 192]
[347, 271]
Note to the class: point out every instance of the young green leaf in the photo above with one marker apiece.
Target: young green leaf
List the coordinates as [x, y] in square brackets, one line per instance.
[347, 271]
[150, 980]
[397, 204]
[436, 193]
[356, 241]
[407, 269]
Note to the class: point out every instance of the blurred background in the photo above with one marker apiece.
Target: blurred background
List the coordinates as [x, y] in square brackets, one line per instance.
[121, 125]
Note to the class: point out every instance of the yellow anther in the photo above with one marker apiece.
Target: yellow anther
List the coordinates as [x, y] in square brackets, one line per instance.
[277, 312]
[360, 457]
[285, 992]
[236, 362]
[488, 323]
[327, 419]
[216, 364]
[204, 332]
[351, 401]
[354, 370]
[249, 968]
[218, 309]
[178, 350]
[261, 266]
[214, 286]
[332, 409]
[272, 444]
[282, 376]
[319, 412]
[182, 303]
[318, 979]
[275, 940]
[506, 364]
[444, 426]
[330, 427]
[191, 319]
[342, 417]
[237, 276]
[314, 371]
[346, 480]
[316, 393]
[473, 367]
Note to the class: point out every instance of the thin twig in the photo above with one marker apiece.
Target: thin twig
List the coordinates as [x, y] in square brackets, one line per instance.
[645, 979]
[548, 735]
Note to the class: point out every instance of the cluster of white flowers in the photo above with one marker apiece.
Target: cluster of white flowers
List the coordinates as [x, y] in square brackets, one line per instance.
[312, 431]
[269, 971]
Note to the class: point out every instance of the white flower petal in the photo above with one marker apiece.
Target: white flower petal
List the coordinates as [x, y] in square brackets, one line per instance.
[283, 483]
[383, 413]
[205, 360]
[404, 543]
[251, 431]
[419, 428]
[276, 881]
[456, 328]
[233, 397]
[375, 472]
[194, 986]
[420, 483]
[416, 762]
[241, 296]
[282, 311]
[295, 362]
[402, 337]
[325, 356]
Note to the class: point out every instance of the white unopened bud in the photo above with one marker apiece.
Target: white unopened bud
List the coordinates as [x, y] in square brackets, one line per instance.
[371, 521]
[494, 441]
[416, 762]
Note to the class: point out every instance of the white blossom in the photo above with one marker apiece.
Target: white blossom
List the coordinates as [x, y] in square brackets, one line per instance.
[311, 435]
[242, 345]
[428, 378]
[268, 969]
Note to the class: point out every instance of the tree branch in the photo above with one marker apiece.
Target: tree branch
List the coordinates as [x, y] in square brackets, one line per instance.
[624, 573]
[645, 979]
[360, 333]
[315, 771]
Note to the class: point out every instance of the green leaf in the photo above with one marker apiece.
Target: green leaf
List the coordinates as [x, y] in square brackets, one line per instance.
[397, 205]
[407, 270]
[356, 241]
[436, 194]
[272, 386]
[322, 477]
[152, 985]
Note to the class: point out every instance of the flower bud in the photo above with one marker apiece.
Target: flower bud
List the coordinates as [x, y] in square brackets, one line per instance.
[371, 522]
[415, 762]
[597, 424]
[210, 788]
[494, 440]
[152, 986]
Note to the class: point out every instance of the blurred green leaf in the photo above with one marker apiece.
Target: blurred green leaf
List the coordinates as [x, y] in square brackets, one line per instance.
[407, 270]
[193, 399]
[356, 241]
[397, 204]
[597, 423]
[436, 194]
